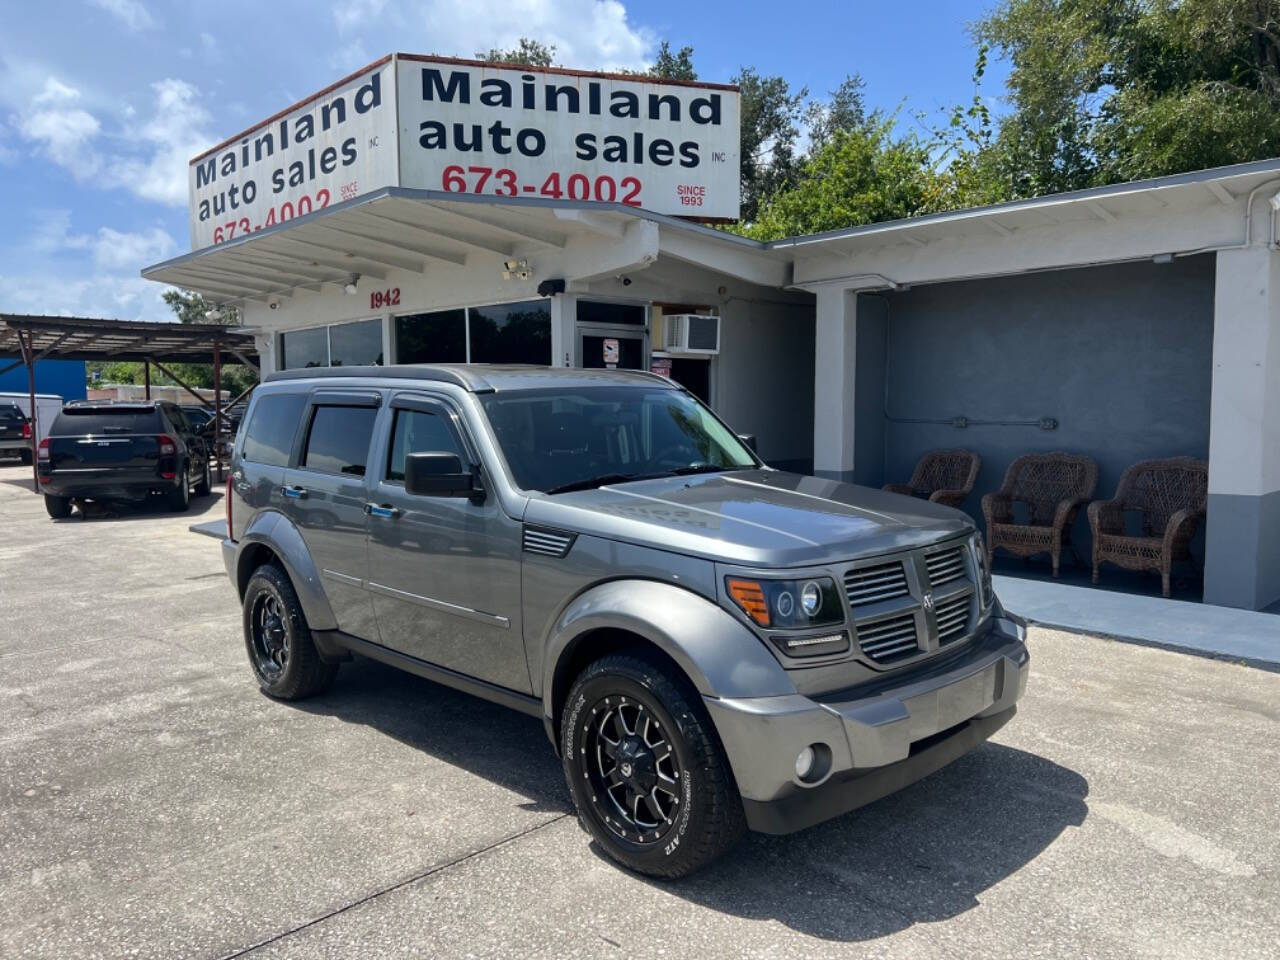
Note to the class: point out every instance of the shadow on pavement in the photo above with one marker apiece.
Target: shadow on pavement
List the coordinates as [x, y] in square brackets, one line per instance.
[135, 510]
[925, 854]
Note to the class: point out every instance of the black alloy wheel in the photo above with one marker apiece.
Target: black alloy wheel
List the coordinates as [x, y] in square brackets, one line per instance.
[633, 770]
[646, 769]
[281, 651]
[269, 640]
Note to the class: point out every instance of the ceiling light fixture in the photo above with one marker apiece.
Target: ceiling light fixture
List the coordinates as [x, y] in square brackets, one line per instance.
[350, 286]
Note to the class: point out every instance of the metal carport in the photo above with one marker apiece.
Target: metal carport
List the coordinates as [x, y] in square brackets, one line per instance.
[34, 338]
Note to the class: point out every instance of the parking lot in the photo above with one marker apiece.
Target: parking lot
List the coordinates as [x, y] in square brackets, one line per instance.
[153, 803]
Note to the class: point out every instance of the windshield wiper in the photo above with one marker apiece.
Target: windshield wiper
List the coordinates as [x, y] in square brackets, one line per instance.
[605, 478]
[701, 468]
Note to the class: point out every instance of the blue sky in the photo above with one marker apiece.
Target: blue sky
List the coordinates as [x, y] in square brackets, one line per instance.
[103, 102]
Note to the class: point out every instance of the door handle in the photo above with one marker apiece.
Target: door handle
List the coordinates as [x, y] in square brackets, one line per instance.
[382, 510]
[295, 493]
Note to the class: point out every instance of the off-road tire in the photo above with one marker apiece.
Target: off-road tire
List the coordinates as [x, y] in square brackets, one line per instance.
[179, 498]
[304, 674]
[709, 820]
[59, 508]
[205, 485]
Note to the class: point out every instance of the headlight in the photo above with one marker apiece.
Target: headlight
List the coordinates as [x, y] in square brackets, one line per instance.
[788, 604]
[984, 572]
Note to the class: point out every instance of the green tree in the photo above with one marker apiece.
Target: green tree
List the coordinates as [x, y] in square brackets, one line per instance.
[863, 175]
[772, 116]
[1103, 91]
[673, 66]
[845, 111]
[527, 52]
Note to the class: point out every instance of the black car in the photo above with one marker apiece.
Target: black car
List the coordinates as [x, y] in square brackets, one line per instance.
[121, 451]
[15, 431]
[197, 414]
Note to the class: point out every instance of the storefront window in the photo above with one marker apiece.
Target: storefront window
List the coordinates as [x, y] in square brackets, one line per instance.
[597, 311]
[511, 333]
[304, 348]
[439, 337]
[356, 344]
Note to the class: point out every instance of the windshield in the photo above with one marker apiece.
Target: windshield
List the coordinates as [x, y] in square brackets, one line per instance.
[589, 435]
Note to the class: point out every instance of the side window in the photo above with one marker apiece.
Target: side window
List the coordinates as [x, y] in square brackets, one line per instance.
[269, 436]
[179, 419]
[338, 441]
[417, 431]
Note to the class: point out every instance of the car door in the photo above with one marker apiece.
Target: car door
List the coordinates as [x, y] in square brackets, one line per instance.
[444, 572]
[325, 493]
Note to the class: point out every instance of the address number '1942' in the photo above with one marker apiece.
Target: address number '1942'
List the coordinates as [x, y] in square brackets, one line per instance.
[384, 298]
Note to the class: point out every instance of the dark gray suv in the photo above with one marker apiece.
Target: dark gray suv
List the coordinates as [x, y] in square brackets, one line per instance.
[713, 645]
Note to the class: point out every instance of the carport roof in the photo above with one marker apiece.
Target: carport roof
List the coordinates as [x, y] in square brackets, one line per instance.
[91, 338]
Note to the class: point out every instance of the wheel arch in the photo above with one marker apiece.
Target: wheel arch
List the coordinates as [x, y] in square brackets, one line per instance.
[703, 643]
[271, 538]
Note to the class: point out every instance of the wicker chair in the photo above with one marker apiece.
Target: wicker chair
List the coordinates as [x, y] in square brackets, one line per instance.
[1170, 495]
[1054, 486]
[943, 476]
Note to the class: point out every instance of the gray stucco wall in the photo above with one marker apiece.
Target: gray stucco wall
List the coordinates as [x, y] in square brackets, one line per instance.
[1119, 355]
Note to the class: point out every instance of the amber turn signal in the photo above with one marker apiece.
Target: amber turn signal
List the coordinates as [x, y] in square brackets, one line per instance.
[749, 595]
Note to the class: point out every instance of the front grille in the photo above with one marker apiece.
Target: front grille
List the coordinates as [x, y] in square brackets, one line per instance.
[914, 603]
[946, 566]
[885, 581]
[887, 640]
[953, 618]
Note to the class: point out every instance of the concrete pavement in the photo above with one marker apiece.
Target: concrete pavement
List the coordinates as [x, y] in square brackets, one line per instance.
[154, 804]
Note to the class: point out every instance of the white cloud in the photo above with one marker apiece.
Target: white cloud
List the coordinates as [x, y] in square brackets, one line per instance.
[149, 159]
[60, 127]
[351, 14]
[113, 250]
[81, 293]
[131, 13]
[593, 34]
[176, 132]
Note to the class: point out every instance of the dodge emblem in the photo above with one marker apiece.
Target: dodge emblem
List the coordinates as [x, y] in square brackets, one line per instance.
[927, 601]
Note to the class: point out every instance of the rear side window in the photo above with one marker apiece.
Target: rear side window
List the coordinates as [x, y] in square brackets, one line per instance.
[338, 441]
[269, 438]
[76, 421]
[417, 431]
[10, 411]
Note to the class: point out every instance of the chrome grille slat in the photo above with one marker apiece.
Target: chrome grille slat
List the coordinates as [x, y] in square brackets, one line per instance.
[884, 581]
[946, 566]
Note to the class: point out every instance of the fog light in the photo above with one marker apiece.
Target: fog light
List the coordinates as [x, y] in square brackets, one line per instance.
[804, 762]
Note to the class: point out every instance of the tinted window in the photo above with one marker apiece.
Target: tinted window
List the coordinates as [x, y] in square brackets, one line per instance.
[269, 438]
[10, 411]
[418, 432]
[339, 440]
[77, 421]
[356, 344]
[512, 333]
[553, 439]
[595, 311]
[304, 348]
[432, 337]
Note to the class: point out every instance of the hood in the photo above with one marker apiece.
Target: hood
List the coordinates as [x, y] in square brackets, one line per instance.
[763, 518]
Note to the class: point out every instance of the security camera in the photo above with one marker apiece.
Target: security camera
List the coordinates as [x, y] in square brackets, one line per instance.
[625, 281]
[273, 304]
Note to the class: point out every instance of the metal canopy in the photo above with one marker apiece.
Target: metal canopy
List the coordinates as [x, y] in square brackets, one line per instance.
[89, 338]
[417, 231]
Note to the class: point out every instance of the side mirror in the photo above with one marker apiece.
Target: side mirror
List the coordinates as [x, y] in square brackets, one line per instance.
[749, 441]
[437, 475]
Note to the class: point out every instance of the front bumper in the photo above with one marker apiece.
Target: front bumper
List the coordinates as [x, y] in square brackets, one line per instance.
[878, 738]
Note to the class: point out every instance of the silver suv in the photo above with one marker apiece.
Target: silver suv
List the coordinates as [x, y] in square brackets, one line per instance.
[713, 645]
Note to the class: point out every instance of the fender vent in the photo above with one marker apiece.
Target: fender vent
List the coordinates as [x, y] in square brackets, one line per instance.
[548, 543]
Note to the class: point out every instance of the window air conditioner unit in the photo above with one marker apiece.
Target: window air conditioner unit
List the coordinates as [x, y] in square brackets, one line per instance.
[691, 333]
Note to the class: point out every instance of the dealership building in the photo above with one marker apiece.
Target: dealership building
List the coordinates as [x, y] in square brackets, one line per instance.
[427, 210]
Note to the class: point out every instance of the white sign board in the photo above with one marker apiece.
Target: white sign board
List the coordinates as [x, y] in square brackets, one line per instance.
[508, 132]
[468, 127]
[333, 147]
